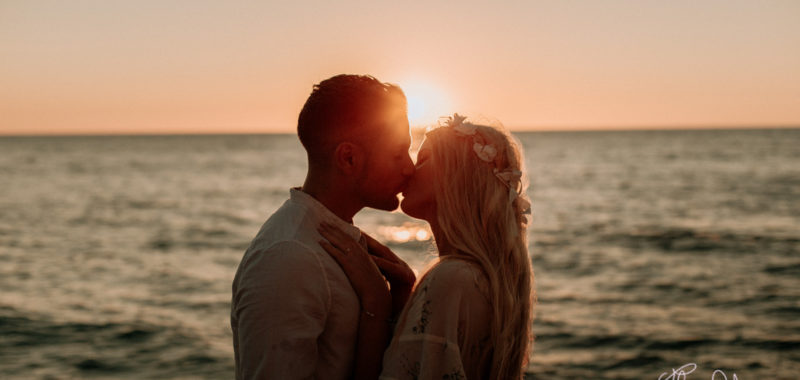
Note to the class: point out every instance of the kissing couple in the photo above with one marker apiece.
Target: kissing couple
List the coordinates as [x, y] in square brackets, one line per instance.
[315, 297]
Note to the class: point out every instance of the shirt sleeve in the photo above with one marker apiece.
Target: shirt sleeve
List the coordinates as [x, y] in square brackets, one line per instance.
[282, 302]
[446, 316]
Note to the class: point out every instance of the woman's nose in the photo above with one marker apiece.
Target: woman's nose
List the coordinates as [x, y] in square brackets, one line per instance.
[408, 168]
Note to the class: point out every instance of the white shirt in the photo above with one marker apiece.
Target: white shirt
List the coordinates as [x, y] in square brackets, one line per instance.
[294, 313]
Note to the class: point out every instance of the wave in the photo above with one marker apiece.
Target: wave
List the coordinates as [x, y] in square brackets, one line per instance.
[791, 270]
[693, 241]
[44, 347]
[652, 344]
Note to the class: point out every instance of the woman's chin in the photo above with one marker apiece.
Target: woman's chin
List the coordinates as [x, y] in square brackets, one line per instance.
[408, 208]
[413, 210]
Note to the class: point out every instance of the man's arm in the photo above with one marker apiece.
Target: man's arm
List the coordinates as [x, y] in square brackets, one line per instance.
[281, 305]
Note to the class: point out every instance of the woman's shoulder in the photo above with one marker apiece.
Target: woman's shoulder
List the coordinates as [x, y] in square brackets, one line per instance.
[455, 267]
[455, 273]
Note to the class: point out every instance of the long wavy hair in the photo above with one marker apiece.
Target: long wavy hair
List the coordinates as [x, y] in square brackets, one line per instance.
[483, 219]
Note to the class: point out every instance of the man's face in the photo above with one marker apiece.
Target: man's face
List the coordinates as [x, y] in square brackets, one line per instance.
[388, 166]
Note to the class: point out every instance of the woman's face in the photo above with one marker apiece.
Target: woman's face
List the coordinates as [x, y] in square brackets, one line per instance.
[418, 198]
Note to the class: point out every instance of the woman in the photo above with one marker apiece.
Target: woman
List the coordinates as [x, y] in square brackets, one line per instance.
[470, 314]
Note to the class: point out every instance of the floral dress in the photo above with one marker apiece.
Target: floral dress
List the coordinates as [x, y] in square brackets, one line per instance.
[443, 328]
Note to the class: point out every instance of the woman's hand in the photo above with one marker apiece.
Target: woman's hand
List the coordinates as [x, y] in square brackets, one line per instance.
[374, 328]
[401, 277]
[361, 270]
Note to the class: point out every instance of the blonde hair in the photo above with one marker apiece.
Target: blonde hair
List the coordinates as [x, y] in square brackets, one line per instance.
[484, 223]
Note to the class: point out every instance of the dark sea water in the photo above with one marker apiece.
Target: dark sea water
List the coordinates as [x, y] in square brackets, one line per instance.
[651, 250]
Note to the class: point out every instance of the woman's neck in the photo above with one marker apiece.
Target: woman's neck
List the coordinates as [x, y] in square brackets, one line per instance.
[442, 245]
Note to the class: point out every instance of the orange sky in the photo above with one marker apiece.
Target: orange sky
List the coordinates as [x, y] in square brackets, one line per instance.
[214, 67]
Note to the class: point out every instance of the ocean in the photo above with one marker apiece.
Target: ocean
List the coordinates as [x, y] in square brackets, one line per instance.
[651, 250]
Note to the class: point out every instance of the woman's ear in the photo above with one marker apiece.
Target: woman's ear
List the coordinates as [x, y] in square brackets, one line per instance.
[349, 158]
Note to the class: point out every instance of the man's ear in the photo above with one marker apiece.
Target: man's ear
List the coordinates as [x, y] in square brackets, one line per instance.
[349, 158]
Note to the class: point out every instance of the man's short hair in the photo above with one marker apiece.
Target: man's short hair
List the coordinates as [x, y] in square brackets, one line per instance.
[341, 106]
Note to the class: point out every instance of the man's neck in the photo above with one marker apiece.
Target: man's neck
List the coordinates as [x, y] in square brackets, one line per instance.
[339, 201]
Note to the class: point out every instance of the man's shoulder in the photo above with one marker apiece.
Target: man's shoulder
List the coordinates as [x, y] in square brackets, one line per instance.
[287, 248]
[278, 264]
[283, 224]
[279, 255]
[292, 222]
[281, 240]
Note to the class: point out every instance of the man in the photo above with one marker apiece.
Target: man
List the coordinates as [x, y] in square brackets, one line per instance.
[294, 313]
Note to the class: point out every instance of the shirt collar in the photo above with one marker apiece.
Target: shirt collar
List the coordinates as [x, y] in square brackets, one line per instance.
[322, 213]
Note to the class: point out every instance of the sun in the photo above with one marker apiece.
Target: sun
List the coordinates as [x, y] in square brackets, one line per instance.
[426, 102]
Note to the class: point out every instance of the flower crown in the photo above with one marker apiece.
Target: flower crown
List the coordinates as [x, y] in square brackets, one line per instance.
[511, 178]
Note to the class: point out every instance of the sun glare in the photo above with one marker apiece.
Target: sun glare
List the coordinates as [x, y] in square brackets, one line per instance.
[406, 233]
[426, 103]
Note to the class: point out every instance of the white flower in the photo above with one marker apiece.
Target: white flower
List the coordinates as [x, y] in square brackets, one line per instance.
[524, 206]
[458, 124]
[508, 176]
[485, 152]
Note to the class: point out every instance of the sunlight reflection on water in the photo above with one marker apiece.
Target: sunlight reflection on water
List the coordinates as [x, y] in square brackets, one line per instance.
[405, 233]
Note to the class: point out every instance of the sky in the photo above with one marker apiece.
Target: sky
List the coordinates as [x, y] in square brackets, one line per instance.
[142, 67]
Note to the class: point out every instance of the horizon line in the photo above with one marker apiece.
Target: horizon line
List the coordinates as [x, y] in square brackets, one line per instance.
[417, 129]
